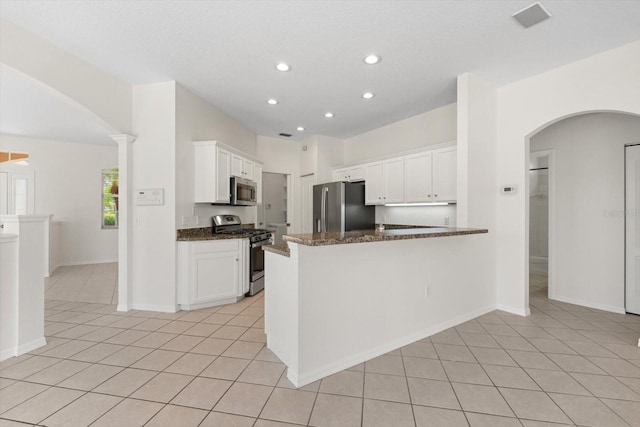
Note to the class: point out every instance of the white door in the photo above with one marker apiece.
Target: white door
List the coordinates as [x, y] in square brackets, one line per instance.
[306, 199]
[445, 175]
[374, 180]
[418, 178]
[393, 181]
[632, 229]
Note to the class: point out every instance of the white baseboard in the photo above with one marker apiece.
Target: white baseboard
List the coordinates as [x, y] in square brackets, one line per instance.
[7, 354]
[31, 345]
[95, 261]
[124, 308]
[603, 307]
[152, 307]
[347, 362]
[198, 306]
[515, 310]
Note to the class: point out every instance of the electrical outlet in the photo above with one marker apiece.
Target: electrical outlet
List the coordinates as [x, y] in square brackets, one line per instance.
[446, 220]
[185, 220]
[427, 290]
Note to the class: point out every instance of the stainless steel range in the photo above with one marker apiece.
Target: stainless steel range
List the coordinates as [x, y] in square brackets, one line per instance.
[231, 224]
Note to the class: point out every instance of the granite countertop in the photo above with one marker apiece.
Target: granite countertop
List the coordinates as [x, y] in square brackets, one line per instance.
[280, 249]
[205, 233]
[391, 233]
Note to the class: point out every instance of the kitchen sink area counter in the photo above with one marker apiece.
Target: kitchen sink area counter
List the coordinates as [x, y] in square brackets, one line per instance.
[363, 236]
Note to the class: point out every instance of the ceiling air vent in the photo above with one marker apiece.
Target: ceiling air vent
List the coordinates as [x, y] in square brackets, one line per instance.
[531, 15]
[286, 135]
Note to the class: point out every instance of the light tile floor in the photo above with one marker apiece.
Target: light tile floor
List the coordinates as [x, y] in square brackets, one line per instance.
[96, 283]
[564, 364]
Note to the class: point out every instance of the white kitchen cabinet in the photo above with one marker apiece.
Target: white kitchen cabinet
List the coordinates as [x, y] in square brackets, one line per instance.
[431, 176]
[241, 167]
[418, 177]
[211, 172]
[351, 174]
[384, 182]
[445, 180]
[257, 177]
[212, 272]
[214, 165]
[247, 168]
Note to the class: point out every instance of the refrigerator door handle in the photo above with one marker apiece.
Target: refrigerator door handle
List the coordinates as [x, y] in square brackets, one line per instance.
[323, 207]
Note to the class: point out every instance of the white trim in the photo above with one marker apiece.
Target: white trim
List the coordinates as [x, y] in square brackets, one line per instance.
[347, 362]
[452, 143]
[583, 303]
[24, 218]
[97, 261]
[153, 307]
[515, 310]
[7, 354]
[31, 345]
[551, 259]
[208, 304]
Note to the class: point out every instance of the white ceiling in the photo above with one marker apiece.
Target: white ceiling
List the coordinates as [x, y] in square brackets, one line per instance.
[30, 109]
[226, 51]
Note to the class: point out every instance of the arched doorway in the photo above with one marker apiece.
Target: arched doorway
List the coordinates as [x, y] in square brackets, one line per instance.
[585, 207]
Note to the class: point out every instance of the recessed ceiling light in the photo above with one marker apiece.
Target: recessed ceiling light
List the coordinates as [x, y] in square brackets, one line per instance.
[272, 101]
[372, 59]
[328, 115]
[300, 128]
[368, 95]
[283, 67]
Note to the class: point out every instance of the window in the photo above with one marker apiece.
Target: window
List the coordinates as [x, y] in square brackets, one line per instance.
[14, 158]
[110, 198]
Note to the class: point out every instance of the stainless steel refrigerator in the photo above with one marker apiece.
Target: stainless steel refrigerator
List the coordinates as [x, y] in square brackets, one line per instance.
[339, 206]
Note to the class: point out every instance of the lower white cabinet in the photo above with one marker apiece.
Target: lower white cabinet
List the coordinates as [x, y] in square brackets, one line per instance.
[212, 272]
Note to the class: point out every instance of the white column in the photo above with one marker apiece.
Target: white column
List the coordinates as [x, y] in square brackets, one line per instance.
[125, 215]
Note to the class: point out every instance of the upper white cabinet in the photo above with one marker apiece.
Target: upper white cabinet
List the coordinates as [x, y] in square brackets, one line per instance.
[354, 173]
[418, 177]
[423, 177]
[384, 182]
[212, 172]
[214, 165]
[431, 176]
[445, 163]
[241, 167]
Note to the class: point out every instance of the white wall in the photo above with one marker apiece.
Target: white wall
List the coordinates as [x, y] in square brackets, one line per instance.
[104, 95]
[430, 128]
[604, 82]
[416, 215]
[588, 171]
[154, 227]
[197, 120]
[330, 153]
[68, 185]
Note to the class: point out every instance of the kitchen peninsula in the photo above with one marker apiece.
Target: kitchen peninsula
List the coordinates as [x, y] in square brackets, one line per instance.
[333, 300]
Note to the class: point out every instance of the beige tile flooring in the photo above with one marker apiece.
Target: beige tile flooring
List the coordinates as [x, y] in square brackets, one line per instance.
[96, 283]
[563, 364]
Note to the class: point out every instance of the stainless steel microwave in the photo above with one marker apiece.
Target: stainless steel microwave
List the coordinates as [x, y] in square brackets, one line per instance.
[243, 192]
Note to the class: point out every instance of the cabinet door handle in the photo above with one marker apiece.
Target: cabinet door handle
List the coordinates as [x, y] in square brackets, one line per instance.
[236, 259]
[435, 195]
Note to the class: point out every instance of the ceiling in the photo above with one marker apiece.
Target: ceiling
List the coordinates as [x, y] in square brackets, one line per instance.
[226, 51]
[30, 109]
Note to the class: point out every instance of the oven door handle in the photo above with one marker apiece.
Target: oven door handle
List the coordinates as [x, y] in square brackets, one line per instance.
[262, 243]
